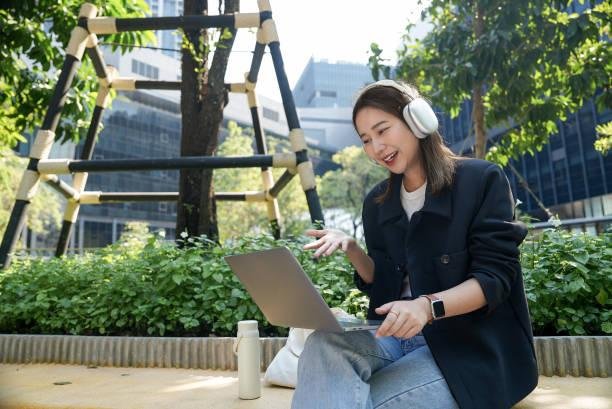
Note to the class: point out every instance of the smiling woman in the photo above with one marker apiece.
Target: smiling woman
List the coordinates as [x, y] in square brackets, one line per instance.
[441, 268]
[382, 120]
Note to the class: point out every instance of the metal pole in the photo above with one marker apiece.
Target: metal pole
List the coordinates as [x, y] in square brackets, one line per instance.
[283, 84]
[166, 85]
[231, 197]
[97, 58]
[80, 180]
[281, 183]
[194, 162]
[258, 54]
[105, 75]
[266, 173]
[61, 187]
[298, 143]
[111, 25]
[138, 197]
[44, 139]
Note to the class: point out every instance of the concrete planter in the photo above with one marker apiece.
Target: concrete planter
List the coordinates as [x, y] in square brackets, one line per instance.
[139, 352]
[575, 356]
[561, 356]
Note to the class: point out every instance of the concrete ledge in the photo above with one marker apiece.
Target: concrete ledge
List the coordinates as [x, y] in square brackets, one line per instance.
[138, 352]
[561, 356]
[576, 356]
[44, 386]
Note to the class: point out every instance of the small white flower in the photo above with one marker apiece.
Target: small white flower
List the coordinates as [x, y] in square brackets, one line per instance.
[555, 221]
[518, 203]
[184, 234]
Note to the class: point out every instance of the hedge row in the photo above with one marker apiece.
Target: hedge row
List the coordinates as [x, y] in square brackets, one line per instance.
[151, 287]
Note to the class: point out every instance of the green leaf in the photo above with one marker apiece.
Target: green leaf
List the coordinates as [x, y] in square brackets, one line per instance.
[582, 258]
[237, 293]
[602, 297]
[579, 266]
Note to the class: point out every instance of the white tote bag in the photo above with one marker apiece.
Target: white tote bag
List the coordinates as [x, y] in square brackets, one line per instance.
[282, 370]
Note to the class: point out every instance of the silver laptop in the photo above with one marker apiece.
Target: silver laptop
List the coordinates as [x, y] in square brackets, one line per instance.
[285, 294]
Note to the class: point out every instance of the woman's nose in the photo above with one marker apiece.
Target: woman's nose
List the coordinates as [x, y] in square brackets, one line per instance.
[378, 146]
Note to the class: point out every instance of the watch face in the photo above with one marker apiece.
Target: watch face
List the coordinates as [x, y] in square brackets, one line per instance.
[438, 308]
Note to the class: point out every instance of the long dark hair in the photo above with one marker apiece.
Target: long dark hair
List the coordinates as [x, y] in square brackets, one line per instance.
[438, 159]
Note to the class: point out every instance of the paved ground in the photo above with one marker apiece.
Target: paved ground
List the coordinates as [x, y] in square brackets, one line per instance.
[79, 387]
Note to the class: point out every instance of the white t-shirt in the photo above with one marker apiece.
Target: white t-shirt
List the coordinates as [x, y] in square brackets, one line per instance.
[411, 202]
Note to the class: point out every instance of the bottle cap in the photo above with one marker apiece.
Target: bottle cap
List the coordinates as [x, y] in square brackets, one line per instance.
[246, 328]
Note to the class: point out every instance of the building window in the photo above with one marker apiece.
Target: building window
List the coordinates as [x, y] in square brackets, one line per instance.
[144, 69]
[163, 207]
[328, 94]
[315, 133]
[270, 114]
[558, 154]
[311, 97]
[97, 234]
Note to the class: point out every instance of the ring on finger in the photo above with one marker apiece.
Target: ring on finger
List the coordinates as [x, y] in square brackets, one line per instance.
[395, 313]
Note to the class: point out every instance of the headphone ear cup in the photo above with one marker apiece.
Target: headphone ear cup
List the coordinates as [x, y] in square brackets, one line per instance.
[420, 117]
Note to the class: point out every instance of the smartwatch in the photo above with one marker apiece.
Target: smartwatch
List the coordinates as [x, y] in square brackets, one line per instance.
[437, 306]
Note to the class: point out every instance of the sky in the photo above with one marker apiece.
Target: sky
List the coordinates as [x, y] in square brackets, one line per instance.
[336, 30]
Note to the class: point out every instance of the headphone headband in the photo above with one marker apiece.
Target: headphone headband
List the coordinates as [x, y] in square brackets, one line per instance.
[418, 114]
[383, 83]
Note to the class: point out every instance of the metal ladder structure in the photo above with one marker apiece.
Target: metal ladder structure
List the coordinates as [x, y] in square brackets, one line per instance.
[84, 40]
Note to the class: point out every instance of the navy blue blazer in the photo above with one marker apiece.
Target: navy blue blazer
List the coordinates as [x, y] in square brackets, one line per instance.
[466, 231]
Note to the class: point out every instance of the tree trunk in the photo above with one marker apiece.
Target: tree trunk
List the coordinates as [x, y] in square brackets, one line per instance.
[480, 142]
[480, 139]
[203, 97]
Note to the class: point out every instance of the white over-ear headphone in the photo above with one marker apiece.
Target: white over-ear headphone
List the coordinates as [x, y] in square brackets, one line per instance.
[418, 114]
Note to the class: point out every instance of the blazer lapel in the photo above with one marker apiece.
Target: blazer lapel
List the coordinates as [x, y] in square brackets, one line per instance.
[391, 210]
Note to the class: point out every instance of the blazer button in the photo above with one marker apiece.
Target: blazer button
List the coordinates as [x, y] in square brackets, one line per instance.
[445, 259]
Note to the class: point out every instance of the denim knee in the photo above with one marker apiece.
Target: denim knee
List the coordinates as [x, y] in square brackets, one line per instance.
[320, 342]
[356, 341]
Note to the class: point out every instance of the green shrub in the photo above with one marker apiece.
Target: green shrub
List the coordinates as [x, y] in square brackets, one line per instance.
[568, 279]
[150, 287]
[153, 288]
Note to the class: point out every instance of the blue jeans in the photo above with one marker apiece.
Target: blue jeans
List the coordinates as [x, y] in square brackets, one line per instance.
[356, 370]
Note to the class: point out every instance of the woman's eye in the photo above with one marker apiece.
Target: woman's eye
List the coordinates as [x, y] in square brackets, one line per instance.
[382, 131]
[365, 141]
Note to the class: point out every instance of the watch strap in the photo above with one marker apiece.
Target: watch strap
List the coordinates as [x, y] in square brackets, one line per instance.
[432, 298]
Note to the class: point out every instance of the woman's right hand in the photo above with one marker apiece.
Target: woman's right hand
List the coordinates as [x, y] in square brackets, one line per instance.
[329, 240]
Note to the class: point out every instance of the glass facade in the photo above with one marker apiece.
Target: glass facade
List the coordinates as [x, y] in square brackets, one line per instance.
[169, 40]
[325, 85]
[568, 169]
[133, 129]
[568, 175]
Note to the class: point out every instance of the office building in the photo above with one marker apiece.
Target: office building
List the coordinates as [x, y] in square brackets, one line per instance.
[324, 84]
[169, 41]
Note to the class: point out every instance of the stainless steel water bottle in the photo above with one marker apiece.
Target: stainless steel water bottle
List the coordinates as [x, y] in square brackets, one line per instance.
[246, 347]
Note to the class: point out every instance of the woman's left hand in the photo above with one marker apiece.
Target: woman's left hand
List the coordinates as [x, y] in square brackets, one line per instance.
[404, 319]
